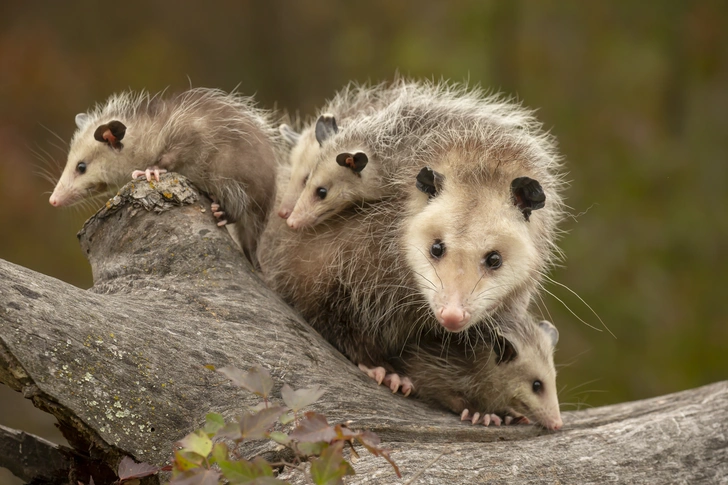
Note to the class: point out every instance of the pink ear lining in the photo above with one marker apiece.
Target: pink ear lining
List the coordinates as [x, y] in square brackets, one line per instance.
[109, 137]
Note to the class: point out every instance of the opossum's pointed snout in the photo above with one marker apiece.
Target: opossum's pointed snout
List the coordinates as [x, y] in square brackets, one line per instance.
[453, 318]
[284, 212]
[53, 200]
[553, 424]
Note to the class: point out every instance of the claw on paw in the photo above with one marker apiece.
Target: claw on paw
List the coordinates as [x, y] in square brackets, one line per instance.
[148, 173]
[376, 373]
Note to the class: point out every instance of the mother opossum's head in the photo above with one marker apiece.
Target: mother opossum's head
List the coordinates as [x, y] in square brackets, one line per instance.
[473, 247]
[92, 160]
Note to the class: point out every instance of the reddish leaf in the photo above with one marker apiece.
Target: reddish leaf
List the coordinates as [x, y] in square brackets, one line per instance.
[230, 430]
[331, 467]
[199, 476]
[129, 469]
[313, 428]
[255, 426]
[301, 398]
[257, 380]
[371, 441]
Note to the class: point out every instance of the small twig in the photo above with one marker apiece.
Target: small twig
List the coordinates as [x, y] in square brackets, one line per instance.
[432, 462]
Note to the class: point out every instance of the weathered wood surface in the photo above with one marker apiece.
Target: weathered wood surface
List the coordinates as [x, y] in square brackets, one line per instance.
[122, 365]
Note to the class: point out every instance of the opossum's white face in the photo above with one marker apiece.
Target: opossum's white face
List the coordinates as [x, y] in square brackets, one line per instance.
[338, 181]
[93, 162]
[303, 159]
[471, 253]
[528, 377]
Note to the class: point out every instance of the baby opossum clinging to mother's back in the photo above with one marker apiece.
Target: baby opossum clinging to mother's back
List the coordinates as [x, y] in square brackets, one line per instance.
[468, 248]
[220, 141]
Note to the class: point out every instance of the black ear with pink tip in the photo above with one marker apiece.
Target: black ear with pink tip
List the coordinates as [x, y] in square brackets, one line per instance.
[356, 162]
[528, 195]
[429, 181]
[111, 133]
[325, 128]
[504, 350]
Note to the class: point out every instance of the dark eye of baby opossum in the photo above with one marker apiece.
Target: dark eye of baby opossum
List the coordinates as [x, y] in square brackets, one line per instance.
[437, 249]
[321, 193]
[537, 386]
[81, 168]
[493, 260]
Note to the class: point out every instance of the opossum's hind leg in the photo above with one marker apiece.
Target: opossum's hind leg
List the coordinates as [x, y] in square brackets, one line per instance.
[393, 381]
[486, 420]
[148, 173]
[217, 211]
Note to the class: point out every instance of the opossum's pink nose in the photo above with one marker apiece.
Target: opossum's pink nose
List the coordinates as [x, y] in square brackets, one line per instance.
[53, 200]
[284, 212]
[553, 425]
[453, 318]
[293, 223]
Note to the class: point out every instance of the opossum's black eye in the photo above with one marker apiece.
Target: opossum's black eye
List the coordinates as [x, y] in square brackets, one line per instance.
[537, 386]
[321, 193]
[493, 260]
[437, 249]
[81, 168]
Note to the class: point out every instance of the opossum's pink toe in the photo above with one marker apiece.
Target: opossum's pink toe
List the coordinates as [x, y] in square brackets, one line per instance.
[157, 171]
[486, 420]
[475, 418]
[376, 373]
[215, 207]
[137, 173]
[464, 415]
[392, 381]
[508, 420]
[407, 386]
[218, 214]
[222, 223]
[495, 419]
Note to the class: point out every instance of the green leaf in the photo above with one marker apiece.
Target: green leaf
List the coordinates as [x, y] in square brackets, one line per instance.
[196, 477]
[286, 418]
[197, 442]
[310, 449]
[185, 460]
[213, 422]
[279, 437]
[257, 380]
[301, 398]
[313, 428]
[330, 468]
[220, 452]
[245, 471]
[255, 426]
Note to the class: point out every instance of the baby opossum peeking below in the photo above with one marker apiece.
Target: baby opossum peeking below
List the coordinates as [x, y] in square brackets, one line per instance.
[220, 141]
[510, 373]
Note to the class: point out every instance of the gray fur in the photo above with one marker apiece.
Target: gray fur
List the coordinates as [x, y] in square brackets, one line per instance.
[220, 141]
[349, 276]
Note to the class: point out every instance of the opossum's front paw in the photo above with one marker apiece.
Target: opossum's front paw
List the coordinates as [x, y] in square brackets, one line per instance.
[218, 213]
[485, 419]
[148, 173]
[399, 383]
[393, 381]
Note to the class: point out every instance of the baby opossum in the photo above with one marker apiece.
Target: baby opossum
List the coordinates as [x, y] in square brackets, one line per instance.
[509, 373]
[220, 141]
[483, 215]
[344, 108]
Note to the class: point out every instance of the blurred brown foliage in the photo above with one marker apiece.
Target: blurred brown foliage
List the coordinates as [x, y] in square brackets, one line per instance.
[636, 93]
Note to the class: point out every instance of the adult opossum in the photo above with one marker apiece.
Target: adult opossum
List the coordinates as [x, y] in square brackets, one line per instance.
[220, 141]
[509, 373]
[468, 247]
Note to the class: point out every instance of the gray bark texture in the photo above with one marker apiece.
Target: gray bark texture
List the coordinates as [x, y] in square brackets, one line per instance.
[121, 366]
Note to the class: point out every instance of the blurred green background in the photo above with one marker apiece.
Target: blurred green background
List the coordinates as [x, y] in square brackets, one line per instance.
[635, 92]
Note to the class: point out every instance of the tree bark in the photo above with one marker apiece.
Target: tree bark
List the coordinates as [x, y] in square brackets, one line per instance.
[122, 366]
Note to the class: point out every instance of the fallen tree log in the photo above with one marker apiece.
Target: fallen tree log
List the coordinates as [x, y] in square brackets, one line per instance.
[121, 366]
